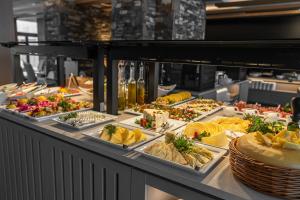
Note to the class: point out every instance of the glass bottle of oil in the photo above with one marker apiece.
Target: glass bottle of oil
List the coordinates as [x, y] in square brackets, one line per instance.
[122, 88]
[141, 86]
[132, 87]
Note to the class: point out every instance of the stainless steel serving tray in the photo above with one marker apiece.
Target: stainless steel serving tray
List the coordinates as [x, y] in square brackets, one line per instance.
[94, 134]
[44, 118]
[178, 103]
[213, 111]
[204, 113]
[217, 152]
[107, 118]
[131, 111]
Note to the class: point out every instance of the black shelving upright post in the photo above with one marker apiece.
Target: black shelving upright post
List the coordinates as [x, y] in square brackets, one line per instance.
[98, 78]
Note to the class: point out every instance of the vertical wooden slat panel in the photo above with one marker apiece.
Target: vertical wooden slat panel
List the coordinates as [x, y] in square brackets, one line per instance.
[37, 169]
[30, 170]
[110, 185]
[4, 183]
[87, 179]
[68, 172]
[59, 174]
[17, 158]
[12, 163]
[92, 181]
[7, 165]
[53, 172]
[47, 157]
[138, 185]
[43, 168]
[116, 186]
[2, 178]
[77, 178]
[99, 179]
[24, 169]
[124, 178]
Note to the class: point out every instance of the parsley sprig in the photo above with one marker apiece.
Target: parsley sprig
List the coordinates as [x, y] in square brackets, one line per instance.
[259, 124]
[183, 144]
[110, 128]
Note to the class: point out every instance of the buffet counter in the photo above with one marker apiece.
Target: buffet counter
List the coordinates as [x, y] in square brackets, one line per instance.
[47, 161]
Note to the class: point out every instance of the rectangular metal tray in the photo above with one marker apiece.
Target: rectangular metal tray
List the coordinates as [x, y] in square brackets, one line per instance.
[208, 112]
[178, 103]
[107, 118]
[217, 152]
[40, 119]
[94, 134]
[132, 112]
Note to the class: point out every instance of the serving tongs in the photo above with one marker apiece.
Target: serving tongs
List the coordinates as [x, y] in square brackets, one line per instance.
[165, 127]
[74, 80]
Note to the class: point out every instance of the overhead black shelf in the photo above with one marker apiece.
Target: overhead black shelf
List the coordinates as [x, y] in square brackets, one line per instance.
[288, 43]
[281, 54]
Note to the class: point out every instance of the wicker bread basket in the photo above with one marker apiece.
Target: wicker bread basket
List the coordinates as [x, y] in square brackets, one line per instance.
[272, 180]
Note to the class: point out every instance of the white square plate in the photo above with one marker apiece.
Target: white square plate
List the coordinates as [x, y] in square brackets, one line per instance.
[217, 154]
[173, 124]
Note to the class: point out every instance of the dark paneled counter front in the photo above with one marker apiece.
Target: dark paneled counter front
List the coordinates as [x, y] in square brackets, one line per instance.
[47, 161]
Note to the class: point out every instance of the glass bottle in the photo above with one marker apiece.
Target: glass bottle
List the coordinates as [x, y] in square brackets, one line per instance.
[131, 87]
[141, 86]
[122, 88]
[162, 77]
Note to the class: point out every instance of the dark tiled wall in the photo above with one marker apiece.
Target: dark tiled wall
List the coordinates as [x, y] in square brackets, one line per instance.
[69, 21]
[158, 20]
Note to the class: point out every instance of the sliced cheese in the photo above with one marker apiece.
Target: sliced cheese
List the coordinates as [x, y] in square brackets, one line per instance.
[217, 134]
[216, 139]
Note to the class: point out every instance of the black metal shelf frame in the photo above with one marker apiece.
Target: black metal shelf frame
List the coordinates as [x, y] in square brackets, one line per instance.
[278, 54]
[281, 54]
[61, 51]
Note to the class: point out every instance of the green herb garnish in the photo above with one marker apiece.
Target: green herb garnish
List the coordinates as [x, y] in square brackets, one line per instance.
[259, 124]
[32, 101]
[277, 126]
[51, 98]
[292, 126]
[287, 108]
[68, 116]
[202, 135]
[183, 144]
[65, 105]
[110, 128]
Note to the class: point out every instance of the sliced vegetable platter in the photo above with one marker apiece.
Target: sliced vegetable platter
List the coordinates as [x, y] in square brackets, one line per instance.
[95, 134]
[70, 120]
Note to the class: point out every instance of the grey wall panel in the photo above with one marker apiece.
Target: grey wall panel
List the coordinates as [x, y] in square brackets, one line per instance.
[244, 90]
[270, 97]
[38, 167]
[7, 34]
